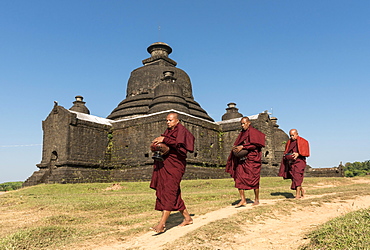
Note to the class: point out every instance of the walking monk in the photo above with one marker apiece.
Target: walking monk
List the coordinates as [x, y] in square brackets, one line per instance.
[294, 161]
[244, 162]
[167, 174]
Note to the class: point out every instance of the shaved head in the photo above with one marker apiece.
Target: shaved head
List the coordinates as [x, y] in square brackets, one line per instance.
[245, 122]
[293, 134]
[172, 120]
[245, 118]
[174, 115]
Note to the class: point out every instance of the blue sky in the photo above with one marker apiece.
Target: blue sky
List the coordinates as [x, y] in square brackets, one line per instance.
[306, 61]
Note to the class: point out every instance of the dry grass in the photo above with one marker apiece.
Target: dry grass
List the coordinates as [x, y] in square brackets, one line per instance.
[42, 216]
[221, 232]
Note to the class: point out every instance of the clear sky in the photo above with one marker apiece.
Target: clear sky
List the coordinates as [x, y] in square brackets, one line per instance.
[307, 62]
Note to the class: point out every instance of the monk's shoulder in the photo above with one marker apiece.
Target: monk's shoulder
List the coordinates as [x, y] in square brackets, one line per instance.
[303, 140]
[254, 130]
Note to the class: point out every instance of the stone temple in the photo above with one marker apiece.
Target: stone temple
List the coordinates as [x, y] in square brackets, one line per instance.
[79, 147]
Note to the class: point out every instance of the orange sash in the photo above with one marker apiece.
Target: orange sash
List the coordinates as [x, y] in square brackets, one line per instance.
[303, 147]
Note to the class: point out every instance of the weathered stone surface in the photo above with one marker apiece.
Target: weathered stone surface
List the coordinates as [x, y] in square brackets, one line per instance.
[79, 105]
[231, 112]
[146, 81]
[77, 149]
[324, 172]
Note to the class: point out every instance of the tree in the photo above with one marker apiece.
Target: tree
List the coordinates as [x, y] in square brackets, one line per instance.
[357, 168]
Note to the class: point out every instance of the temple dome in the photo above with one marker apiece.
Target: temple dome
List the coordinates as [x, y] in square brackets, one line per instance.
[144, 80]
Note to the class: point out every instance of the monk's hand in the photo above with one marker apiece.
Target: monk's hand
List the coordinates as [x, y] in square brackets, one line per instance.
[295, 156]
[158, 139]
[236, 149]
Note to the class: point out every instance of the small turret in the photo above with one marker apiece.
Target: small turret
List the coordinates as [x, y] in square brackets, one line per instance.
[79, 105]
[168, 95]
[231, 112]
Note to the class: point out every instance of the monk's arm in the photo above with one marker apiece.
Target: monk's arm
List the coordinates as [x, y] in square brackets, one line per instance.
[158, 139]
[169, 142]
[172, 143]
[249, 146]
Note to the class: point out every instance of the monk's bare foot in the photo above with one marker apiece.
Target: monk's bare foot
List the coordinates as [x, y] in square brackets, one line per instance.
[186, 222]
[241, 204]
[303, 192]
[159, 228]
[298, 197]
[256, 202]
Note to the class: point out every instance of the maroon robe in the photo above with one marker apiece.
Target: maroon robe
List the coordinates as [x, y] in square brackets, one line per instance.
[246, 172]
[167, 175]
[293, 169]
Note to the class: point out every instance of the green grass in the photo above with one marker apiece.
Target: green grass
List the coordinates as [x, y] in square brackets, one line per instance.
[41, 216]
[351, 231]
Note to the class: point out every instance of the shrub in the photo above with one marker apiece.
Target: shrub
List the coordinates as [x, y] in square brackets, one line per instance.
[9, 186]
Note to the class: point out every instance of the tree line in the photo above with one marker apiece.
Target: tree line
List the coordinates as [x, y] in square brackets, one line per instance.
[9, 186]
[357, 168]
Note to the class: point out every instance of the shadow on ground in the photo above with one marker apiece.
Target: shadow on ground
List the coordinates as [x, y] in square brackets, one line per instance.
[285, 194]
[237, 202]
[174, 220]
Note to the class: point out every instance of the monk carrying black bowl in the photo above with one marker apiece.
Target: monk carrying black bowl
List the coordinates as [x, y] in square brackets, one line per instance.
[168, 172]
[245, 161]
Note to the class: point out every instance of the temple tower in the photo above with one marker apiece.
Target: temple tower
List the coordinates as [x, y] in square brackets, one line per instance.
[148, 88]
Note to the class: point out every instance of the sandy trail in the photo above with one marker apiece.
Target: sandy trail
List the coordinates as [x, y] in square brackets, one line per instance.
[151, 240]
[287, 232]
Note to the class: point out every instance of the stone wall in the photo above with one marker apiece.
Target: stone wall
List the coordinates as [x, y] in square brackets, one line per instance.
[73, 141]
[56, 136]
[324, 172]
[132, 138]
[79, 150]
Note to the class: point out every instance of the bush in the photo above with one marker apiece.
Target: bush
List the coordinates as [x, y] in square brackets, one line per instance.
[357, 169]
[9, 186]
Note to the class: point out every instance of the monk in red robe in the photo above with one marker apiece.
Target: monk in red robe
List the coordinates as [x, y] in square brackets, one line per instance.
[244, 162]
[294, 161]
[167, 175]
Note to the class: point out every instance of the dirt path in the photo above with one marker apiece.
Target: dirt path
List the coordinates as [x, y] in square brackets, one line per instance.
[287, 232]
[151, 240]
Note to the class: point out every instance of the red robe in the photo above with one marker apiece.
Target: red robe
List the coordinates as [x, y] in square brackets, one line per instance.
[167, 175]
[246, 172]
[294, 169]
